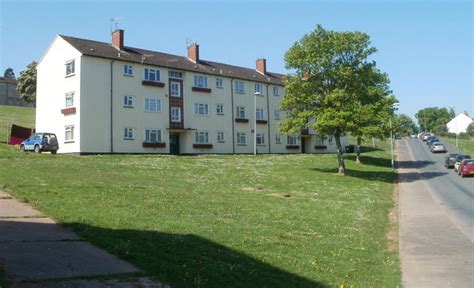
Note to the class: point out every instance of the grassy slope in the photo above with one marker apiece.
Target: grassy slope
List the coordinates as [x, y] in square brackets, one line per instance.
[218, 221]
[22, 116]
[465, 145]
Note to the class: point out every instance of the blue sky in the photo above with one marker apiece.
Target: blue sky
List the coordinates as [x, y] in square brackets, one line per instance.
[426, 47]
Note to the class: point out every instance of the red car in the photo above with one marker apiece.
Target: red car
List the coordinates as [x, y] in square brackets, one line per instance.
[466, 167]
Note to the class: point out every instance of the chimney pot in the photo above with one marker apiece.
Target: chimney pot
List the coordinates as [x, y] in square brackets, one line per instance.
[262, 66]
[193, 52]
[117, 39]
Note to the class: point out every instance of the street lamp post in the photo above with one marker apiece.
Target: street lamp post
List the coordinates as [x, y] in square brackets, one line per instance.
[255, 122]
[394, 107]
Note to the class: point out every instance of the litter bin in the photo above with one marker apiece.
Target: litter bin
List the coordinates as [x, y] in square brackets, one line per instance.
[350, 149]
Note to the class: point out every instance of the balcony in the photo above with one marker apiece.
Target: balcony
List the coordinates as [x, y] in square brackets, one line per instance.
[241, 120]
[292, 147]
[260, 121]
[153, 83]
[320, 147]
[202, 146]
[154, 144]
[201, 89]
[68, 111]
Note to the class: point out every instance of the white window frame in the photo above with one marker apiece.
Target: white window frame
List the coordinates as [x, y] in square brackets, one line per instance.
[239, 110]
[276, 114]
[175, 75]
[200, 81]
[201, 137]
[239, 87]
[153, 131]
[278, 138]
[128, 133]
[152, 71]
[240, 136]
[173, 116]
[128, 101]
[260, 138]
[259, 114]
[219, 83]
[291, 140]
[127, 70]
[70, 67]
[259, 88]
[220, 109]
[220, 136]
[172, 83]
[201, 109]
[276, 90]
[69, 133]
[69, 99]
[149, 101]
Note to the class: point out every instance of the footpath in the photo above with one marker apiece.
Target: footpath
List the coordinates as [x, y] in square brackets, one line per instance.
[434, 252]
[36, 252]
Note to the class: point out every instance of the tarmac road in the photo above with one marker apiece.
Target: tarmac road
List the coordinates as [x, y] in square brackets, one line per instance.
[436, 219]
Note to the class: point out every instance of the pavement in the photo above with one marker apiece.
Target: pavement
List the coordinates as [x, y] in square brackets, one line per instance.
[36, 252]
[434, 251]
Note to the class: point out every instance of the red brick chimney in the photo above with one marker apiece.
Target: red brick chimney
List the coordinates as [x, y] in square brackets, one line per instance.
[193, 52]
[117, 39]
[262, 66]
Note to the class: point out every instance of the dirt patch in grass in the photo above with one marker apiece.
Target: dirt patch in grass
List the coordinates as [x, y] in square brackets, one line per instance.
[281, 195]
[393, 236]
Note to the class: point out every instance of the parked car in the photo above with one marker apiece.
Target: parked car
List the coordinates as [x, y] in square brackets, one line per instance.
[459, 159]
[413, 136]
[437, 147]
[449, 160]
[40, 142]
[466, 167]
[431, 141]
[425, 136]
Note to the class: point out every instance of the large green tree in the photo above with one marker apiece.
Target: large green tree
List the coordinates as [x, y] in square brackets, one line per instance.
[335, 89]
[434, 119]
[404, 125]
[26, 85]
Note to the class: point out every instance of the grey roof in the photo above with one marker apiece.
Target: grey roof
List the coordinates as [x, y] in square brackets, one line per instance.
[136, 55]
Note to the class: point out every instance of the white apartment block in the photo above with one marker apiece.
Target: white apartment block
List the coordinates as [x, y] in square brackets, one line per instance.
[109, 98]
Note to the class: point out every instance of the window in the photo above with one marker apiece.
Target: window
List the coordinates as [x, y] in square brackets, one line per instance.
[276, 114]
[291, 140]
[330, 140]
[239, 87]
[69, 97]
[278, 138]
[219, 83]
[127, 70]
[152, 135]
[201, 109]
[175, 114]
[241, 138]
[201, 137]
[240, 112]
[175, 89]
[220, 136]
[152, 75]
[70, 68]
[69, 133]
[128, 101]
[259, 114]
[200, 81]
[220, 109]
[152, 105]
[175, 75]
[276, 90]
[128, 133]
[260, 139]
[258, 88]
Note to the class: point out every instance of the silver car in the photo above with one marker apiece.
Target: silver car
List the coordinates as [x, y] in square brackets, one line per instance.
[437, 147]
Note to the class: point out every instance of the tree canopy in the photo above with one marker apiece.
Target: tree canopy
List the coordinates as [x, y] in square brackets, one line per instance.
[9, 73]
[434, 119]
[335, 89]
[404, 125]
[26, 85]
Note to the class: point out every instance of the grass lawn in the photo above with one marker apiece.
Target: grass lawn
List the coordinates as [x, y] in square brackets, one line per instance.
[222, 220]
[465, 145]
[22, 116]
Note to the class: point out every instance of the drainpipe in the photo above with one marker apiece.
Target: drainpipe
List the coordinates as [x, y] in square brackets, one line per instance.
[112, 106]
[268, 119]
[232, 109]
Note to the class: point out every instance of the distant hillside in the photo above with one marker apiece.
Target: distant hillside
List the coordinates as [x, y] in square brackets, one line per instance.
[22, 116]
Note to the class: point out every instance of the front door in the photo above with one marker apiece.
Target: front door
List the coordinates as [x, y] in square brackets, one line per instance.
[303, 145]
[174, 143]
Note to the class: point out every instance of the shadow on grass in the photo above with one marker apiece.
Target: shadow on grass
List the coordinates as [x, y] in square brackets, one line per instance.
[186, 260]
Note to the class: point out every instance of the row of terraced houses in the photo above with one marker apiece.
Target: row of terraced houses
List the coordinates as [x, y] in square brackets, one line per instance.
[110, 98]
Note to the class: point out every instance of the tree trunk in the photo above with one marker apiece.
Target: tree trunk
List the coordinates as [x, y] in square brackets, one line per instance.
[340, 155]
[359, 142]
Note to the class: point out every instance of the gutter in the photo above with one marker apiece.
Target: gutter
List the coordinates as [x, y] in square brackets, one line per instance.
[112, 106]
[232, 108]
[268, 119]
